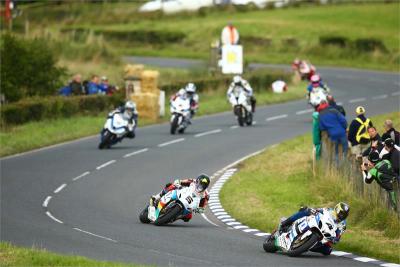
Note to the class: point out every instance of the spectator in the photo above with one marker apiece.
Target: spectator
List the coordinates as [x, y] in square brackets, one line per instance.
[381, 171]
[335, 123]
[103, 86]
[390, 132]
[93, 85]
[65, 91]
[332, 103]
[375, 142]
[316, 136]
[229, 35]
[76, 85]
[392, 155]
[358, 132]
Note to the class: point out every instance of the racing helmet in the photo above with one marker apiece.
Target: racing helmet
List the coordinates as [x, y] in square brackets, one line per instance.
[237, 79]
[341, 211]
[202, 182]
[315, 79]
[360, 110]
[129, 109]
[374, 157]
[182, 93]
[190, 88]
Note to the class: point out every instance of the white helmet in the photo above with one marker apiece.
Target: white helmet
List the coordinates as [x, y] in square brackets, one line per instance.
[182, 93]
[190, 88]
[237, 79]
[129, 109]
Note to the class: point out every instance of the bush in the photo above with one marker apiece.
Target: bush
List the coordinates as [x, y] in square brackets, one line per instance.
[333, 40]
[36, 109]
[28, 68]
[369, 45]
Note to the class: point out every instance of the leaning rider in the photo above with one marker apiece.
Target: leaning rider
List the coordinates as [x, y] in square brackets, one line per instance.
[130, 114]
[200, 185]
[339, 214]
[316, 82]
[242, 83]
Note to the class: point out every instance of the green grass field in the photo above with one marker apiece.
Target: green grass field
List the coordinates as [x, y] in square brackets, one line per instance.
[12, 256]
[265, 33]
[267, 188]
[44, 133]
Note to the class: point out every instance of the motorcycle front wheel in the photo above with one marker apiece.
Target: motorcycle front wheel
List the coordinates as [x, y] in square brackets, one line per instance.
[106, 140]
[144, 215]
[174, 124]
[269, 244]
[300, 246]
[169, 216]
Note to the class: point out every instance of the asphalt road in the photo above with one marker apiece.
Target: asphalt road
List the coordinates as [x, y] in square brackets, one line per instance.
[105, 190]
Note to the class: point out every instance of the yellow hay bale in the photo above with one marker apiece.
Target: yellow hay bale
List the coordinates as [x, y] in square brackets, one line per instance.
[147, 105]
[133, 70]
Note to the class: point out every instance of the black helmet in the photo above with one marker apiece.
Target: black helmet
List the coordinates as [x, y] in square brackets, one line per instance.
[373, 156]
[202, 182]
[342, 211]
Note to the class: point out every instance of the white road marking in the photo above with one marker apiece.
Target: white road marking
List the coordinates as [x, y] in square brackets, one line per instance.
[262, 234]
[80, 176]
[136, 152]
[99, 236]
[390, 265]
[105, 164]
[207, 133]
[250, 230]
[52, 217]
[205, 217]
[220, 213]
[364, 259]
[61, 187]
[227, 220]
[241, 227]
[276, 117]
[339, 253]
[46, 201]
[217, 210]
[224, 216]
[171, 142]
[233, 223]
[395, 93]
[379, 97]
[357, 100]
[304, 111]
[234, 127]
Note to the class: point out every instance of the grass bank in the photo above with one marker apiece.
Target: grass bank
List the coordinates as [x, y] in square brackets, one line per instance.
[267, 188]
[12, 256]
[269, 35]
[33, 135]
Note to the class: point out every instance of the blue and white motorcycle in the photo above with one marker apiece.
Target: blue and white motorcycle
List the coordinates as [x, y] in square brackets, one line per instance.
[115, 129]
[303, 235]
[174, 205]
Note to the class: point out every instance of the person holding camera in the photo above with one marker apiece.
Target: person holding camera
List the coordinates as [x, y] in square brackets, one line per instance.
[382, 172]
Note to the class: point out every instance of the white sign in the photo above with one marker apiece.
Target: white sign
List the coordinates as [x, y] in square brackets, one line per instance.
[232, 59]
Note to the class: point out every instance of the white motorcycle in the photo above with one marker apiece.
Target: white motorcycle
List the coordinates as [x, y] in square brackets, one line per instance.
[303, 234]
[180, 114]
[115, 129]
[241, 106]
[316, 96]
[174, 205]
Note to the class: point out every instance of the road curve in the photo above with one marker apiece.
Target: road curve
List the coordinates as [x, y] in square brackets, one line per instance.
[75, 199]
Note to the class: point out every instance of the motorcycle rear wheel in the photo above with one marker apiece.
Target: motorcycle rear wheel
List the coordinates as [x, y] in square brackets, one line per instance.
[169, 216]
[269, 244]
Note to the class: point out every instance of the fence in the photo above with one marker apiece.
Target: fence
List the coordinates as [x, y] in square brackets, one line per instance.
[349, 170]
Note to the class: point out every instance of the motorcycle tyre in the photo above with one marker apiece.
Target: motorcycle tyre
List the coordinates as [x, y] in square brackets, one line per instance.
[106, 140]
[249, 119]
[269, 244]
[174, 125]
[241, 119]
[308, 243]
[169, 216]
[181, 131]
[144, 215]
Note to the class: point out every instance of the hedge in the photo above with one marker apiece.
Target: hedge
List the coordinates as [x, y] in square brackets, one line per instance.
[360, 44]
[53, 107]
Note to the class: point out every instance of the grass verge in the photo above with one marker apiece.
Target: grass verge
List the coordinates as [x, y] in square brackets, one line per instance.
[267, 188]
[14, 256]
[44, 133]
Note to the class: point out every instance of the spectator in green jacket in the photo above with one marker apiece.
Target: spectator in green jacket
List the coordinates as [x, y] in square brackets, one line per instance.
[382, 172]
[316, 135]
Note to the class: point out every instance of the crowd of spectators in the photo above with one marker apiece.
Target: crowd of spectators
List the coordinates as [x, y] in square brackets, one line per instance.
[378, 155]
[93, 86]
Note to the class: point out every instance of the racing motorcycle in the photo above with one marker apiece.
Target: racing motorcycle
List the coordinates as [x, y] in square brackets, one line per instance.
[303, 235]
[174, 205]
[317, 95]
[241, 106]
[115, 129]
[180, 114]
